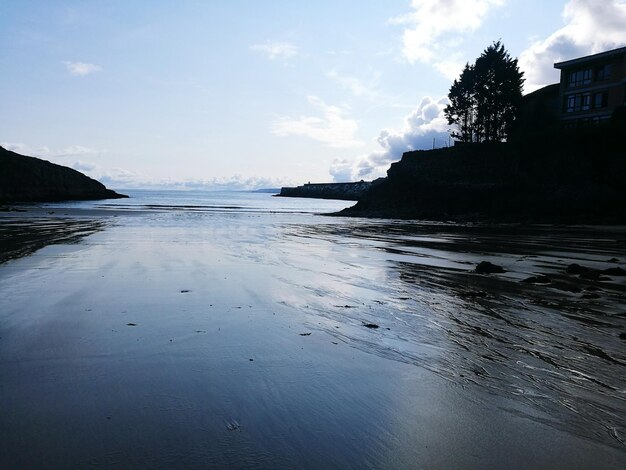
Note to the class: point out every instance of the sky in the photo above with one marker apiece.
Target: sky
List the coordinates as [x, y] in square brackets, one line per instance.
[253, 94]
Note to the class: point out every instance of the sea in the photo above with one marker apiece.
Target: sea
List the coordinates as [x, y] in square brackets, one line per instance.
[209, 201]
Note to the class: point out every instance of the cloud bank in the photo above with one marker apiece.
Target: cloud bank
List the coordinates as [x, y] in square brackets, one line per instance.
[118, 178]
[422, 126]
[332, 128]
[591, 26]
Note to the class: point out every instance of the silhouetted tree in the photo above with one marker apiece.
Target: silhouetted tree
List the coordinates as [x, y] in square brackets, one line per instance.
[462, 108]
[485, 99]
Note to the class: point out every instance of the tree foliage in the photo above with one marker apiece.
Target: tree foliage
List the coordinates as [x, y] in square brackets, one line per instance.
[485, 99]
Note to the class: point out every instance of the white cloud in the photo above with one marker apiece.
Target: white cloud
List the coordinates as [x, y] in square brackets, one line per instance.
[276, 50]
[591, 26]
[431, 19]
[332, 129]
[451, 69]
[434, 27]
[81, 68]
[425, 123]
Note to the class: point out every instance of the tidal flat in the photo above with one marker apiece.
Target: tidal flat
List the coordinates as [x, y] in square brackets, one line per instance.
[163, 338]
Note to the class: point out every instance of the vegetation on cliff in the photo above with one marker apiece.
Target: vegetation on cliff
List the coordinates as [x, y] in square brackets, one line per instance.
[29, 179]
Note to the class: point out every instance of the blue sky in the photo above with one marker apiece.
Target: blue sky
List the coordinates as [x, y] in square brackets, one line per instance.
[245, 94]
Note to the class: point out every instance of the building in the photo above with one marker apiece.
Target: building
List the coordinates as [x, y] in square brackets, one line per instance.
[592, 87]
[539, 111]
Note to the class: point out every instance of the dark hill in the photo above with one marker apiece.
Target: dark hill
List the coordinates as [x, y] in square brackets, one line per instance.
[566, 176]
[29, 179]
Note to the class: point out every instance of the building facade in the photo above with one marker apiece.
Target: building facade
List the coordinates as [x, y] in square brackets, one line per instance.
[592, 87]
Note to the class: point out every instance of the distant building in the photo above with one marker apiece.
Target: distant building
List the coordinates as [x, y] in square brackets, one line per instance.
[592, 87]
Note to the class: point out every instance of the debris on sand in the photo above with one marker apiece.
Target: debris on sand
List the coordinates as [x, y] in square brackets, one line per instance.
[373, 326]
[305, 334]
[185, 291]
[541, 279]
[485, 267]
[345, 306]
[131, 324]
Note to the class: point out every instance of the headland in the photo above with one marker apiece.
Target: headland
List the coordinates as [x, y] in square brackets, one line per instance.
[343, 191]
[30, 179]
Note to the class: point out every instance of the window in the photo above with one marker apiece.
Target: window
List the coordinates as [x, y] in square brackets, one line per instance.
[603, 72]
[580, 77]
[577, 102]
[586, 102]
[600, 100]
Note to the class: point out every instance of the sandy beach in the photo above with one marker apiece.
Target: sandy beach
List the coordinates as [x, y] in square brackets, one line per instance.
[227, 338]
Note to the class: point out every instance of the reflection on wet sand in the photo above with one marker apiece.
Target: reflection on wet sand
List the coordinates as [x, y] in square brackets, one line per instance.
[218, 339]
[22, 236]
[536, 333]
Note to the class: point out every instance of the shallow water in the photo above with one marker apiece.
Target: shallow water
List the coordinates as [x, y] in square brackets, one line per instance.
[208, 331]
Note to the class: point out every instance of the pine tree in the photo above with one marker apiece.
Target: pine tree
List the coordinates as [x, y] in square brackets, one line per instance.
[485, 99]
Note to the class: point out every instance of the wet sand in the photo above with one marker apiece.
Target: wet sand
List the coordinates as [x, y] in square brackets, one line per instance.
[191, 339]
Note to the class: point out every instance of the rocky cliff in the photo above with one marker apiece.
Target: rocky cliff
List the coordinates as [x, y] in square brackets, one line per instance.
[29, 179]
[344, 191]
[570, 176]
